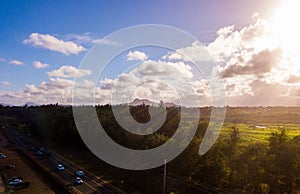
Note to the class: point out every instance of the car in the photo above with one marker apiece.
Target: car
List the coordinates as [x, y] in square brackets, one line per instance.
[2, 155]
[9, 166]
[60, 167]
[13, 178]
[79, 173]
[44, 150]
[15, 182]
[78, 180]
[20, 185]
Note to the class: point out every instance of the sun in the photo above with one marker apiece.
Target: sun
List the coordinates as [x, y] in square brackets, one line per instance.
[286, 26]
[285, 29]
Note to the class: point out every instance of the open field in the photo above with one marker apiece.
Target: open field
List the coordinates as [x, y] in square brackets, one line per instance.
[259, 133]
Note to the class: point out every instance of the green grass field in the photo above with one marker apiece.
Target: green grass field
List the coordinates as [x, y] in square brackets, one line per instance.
[259, 133]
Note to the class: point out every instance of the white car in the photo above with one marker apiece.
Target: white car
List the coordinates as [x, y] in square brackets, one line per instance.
[2, 155]
[13, 178]
[15, 182]
[78, 180]
[60, 167]
[80, 173]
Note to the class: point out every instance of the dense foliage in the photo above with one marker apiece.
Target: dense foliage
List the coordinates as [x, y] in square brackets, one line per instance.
[231, 166]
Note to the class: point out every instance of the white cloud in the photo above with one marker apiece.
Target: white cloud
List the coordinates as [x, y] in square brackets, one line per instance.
[136, 56]
[196, 52]
[256, 64]
[2, 59]
[5, 83]
[16, 62]
[255, 15]
[164, 69]
[50, 42]
[106, 42]
[155, 80]
[230, 41]
[39, 65]
[54, 84]
[84, 38]
[88, 38]
[69, 72]
[57, 90]
[106, 84]
[256, 71]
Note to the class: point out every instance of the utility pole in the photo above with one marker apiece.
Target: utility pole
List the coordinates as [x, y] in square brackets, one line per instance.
[165, 176]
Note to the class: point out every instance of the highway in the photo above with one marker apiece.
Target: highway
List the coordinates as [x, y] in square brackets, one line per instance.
[91, 183]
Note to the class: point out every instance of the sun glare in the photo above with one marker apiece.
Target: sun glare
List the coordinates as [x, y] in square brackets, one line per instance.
[286, 26]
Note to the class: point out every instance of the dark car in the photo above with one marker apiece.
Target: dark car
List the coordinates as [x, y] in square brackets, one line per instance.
[9, 166]
[79, 173]
[44, 150]
[21, 185]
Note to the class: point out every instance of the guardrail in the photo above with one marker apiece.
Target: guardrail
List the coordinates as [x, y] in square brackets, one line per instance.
[73, 190]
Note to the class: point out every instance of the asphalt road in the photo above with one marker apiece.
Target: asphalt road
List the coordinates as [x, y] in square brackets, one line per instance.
[91, 183]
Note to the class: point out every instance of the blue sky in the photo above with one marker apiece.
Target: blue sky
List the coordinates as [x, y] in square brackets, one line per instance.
[70, 20]
[21, 18]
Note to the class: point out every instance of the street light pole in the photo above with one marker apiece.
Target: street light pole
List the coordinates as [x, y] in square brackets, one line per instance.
[165, 176]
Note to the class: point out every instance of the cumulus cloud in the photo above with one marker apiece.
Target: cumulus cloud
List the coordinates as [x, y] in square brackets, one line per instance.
[256, 71]
[52, 43]
[259, 63]
[196, 53]
[16, 62]
[255, 67]
[54, 85]
[164, 69]
[69, 72]
[136, 56]
[155, 80]
[39, 65]
[106, 84]
[57, 90]
[263, 93]
[293, 79]
[5, 83]
[231, 41]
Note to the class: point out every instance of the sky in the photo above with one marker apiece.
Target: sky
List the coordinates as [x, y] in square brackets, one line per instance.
[253, 44]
